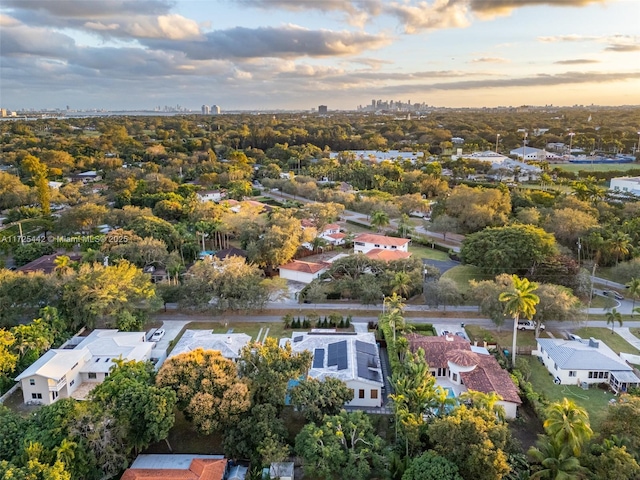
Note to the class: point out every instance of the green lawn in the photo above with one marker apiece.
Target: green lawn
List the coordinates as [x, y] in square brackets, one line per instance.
[463, 273]
[421, 251]
[594, 400]
[276, 329]
[504, 338]
[602, 302]
[613, 341]
[598, 167]
[635, 331]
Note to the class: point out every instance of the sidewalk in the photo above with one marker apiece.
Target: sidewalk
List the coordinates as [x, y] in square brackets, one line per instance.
[625, 333]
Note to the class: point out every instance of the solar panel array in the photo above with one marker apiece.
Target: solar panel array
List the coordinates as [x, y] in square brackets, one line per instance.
[368, 365]
[337, 355]
[318, 358]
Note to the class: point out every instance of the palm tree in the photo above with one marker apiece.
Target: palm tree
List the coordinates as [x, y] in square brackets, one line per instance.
[568, 425]
[556, 460]
[619, 244]
[404, 226]
[634, 291]
[401, 284]
[379, 219]
[520, 301]
[65, 452]
[614, 317]
[395, 320]
[62, 265]
[395, 302]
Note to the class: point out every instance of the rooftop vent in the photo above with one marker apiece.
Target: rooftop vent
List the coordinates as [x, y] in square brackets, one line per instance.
[594, 343]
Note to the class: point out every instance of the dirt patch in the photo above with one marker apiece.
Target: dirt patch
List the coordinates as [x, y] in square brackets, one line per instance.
[526, 427]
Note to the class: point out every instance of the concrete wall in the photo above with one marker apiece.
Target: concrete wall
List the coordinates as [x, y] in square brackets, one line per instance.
[509, 408]
[296, 276]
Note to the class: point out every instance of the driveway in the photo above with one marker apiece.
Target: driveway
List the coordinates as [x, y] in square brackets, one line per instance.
[442, 265]
[172, 329]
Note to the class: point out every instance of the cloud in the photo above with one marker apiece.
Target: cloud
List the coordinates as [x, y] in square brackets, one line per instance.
[90, 9]
[289, 41]
[358, 12]
[490, 60]
[533, 81]
[570, 38]
[616, 43]
[428, 16]
[577, 61]
[489, 8]
[622, 47]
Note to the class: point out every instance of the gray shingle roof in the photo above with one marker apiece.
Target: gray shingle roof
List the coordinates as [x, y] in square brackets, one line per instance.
[578, 355]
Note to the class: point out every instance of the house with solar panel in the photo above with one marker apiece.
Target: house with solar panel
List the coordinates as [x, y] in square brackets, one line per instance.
[581, 361]
[351, 357]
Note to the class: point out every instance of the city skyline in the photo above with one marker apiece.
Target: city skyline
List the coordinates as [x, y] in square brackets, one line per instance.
[285, 54]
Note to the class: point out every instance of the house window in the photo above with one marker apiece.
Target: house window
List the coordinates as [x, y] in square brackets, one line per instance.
[39, 396]
[72, 382]
[376, 245]
[393, 247]
[606, 374]
[92, 375]
[600, 374]
[374, 394]
[590, 374]
[555, 366]
[455, 377]
[361, 393]
[32, 381]
[572, 373]
[34, 396]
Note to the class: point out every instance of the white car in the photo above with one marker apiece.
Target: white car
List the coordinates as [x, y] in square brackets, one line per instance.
[157, 335]
[528, 325]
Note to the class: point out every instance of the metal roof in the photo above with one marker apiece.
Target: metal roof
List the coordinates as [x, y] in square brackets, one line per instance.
[582, 355]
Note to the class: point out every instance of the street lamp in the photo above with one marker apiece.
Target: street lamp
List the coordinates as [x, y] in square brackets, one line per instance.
[524, 143]
[497, 138]
[570, 142]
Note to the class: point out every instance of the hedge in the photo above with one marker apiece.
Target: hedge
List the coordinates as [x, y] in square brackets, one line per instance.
[363, 225]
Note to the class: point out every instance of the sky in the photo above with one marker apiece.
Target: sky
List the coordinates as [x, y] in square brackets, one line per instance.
[298, 54]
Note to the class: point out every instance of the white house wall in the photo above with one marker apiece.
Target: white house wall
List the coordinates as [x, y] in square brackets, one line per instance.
[510, 408]
[296, 276]
[367, 401]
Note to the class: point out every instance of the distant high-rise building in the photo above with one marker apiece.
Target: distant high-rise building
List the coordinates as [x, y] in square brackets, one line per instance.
[322, 109]
[206, 110]
[215, 110]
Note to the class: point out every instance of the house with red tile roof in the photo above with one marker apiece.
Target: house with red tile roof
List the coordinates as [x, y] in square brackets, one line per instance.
[304, 272]
[177, 467]
[387, 255]
[365, 242]
[459, 366]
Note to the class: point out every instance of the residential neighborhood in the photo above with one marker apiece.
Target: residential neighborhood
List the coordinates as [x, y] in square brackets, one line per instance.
[204, 304]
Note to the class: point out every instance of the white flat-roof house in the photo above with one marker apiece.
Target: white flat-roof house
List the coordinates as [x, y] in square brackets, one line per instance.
[626, 184]
[573, 362]
[210, 195]
[352, 358]
[304, 272]
[74, 371]
[229, 344]
[369, 241]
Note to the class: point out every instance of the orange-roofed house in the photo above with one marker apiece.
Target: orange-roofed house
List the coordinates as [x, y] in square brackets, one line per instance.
[387, 255]
[365, 242]
[177, 467]
[304, 272]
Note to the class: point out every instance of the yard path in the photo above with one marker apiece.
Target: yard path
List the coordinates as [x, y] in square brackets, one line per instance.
[625, 333]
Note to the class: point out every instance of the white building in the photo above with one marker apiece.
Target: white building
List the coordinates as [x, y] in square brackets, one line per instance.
[626, 184]
[379, 156]
[529, 153]
[211, 195]
[369, 241]
[352, 358]
[574, 362]
[215, 110]
[228, 344]
[73, 372]
[304, 272]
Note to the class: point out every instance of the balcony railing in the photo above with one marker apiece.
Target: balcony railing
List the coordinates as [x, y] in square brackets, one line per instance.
[55, 387]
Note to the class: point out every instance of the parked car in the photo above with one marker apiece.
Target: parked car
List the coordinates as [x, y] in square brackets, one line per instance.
[611, 293]
[157, 335]
[528, 325]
